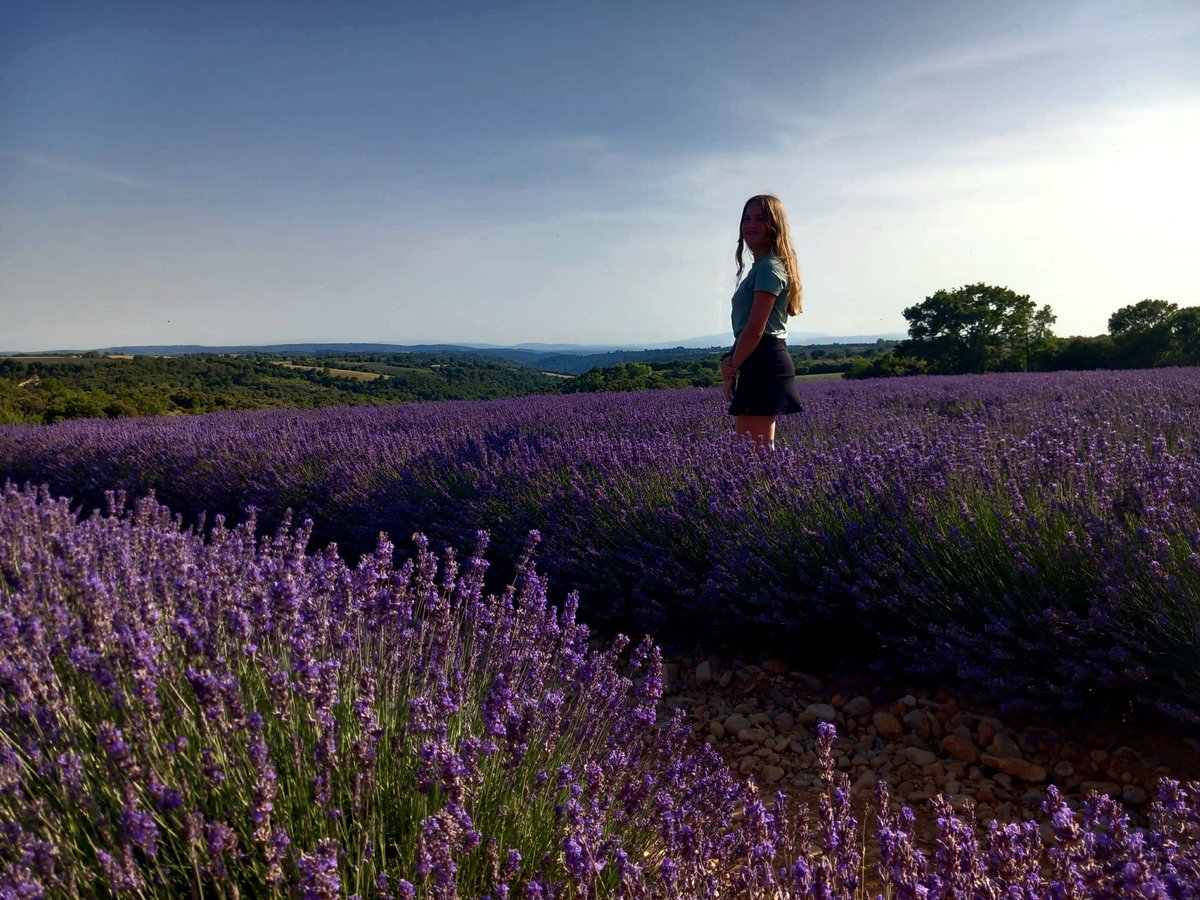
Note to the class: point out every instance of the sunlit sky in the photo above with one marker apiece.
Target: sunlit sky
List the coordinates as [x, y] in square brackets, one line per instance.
[573, 172]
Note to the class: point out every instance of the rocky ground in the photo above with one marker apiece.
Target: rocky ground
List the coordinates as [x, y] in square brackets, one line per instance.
[762, 718]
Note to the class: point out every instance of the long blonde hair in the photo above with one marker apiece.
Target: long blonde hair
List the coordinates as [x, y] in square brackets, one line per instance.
[781, 246]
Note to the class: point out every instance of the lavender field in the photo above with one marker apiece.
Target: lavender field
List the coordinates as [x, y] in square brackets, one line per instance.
[1035, 537]
[200, 697]
[226, 715]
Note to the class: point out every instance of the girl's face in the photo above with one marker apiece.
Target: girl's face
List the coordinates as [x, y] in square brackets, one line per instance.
[756, 228]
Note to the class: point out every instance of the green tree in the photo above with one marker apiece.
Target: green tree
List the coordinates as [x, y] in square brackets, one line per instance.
[1081, 353]
[1185, 334]
[1141, 333]
[976, 328]
[888, 365]
[1034, 336]
[1140, 318]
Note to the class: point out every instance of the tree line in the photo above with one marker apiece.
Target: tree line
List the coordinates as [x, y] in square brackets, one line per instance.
[36, 390]
[702, 368]
[977, 328]
[43, 390]
[982, 328]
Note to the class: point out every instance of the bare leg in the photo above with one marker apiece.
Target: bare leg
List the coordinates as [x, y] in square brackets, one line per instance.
[761, 428]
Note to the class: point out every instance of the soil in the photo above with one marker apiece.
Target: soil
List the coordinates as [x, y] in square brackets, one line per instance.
[922, 741]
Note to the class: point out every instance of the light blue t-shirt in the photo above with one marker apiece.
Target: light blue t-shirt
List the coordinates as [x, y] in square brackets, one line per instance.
[767, 274]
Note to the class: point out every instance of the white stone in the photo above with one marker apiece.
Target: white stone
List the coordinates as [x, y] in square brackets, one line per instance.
[822, 712]
[736, 723]
[753, 735]
[919, 757]
[887, 725]
[857, 707]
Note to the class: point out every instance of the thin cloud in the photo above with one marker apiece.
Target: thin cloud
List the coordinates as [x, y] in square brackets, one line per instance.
[1111, 26]
[981, 56]
[71, 167]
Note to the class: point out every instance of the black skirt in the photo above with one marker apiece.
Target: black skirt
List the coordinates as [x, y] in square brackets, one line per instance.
[765, 385]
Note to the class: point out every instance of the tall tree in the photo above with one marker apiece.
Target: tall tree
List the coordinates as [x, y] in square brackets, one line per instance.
[1185, 334]
[976, 328]
[1141, 333]
[1140, 317]
[1031, 328]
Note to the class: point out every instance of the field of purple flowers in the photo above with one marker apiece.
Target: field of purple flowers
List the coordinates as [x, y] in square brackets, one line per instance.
[188, 713]
[1037, 537]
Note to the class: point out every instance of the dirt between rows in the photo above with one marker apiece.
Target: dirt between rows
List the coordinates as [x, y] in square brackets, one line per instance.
[762, 718]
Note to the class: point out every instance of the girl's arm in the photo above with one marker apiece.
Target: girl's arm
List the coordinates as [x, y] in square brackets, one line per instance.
[760, 311]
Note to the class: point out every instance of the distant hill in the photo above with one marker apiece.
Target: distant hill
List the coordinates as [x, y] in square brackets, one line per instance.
[44, 388]
[532, 350]
[567, 359]
[285, 349]
[170, 380]
[795, 338]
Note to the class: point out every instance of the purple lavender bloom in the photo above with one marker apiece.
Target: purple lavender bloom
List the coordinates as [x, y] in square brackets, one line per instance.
[70, 767]
[139, 828]
[221, 843]
[120, 873]
[319, 872]
[112, 741]
[265, 787]
[212, 770]
[237, 756]
[275, 852]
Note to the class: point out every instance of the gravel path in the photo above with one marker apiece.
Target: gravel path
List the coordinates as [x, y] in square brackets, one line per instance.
[762, 719]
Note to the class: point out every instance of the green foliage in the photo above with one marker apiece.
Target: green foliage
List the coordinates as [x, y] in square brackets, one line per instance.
[1080, 354]
[1185, 335]
[639, 376]
[976, 328]
[1140, 318]
[886, 365]
[980, 328]
[671, 372]
[37, 390]
[42, 390]
[1143, 334]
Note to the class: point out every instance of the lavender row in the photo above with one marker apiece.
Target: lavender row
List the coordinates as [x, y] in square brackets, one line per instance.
[184, 715]
[1036, 535]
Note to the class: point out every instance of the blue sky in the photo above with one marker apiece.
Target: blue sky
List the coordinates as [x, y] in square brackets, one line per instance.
[573, 172]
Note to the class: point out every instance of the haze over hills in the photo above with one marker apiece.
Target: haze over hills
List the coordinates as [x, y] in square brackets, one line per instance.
[534, 348]
[801, 338]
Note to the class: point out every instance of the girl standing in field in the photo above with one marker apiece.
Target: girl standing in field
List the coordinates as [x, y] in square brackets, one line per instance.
[759, 376]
